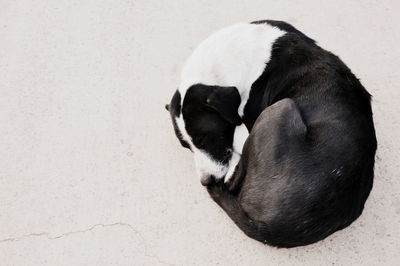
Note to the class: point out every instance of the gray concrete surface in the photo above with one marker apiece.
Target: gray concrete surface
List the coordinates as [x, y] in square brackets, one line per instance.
[90, 170]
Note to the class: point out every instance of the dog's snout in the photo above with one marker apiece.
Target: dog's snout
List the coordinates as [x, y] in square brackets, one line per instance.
[207, 180]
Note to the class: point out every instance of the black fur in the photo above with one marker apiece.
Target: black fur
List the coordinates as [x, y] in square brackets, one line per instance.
[175, 110]
[226, 101]
[210, 115]
[307, 167]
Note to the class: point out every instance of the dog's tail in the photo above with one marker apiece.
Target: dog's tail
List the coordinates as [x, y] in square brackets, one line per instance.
[229, 203]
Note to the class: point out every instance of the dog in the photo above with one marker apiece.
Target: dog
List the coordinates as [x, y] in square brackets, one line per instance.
[306, 168]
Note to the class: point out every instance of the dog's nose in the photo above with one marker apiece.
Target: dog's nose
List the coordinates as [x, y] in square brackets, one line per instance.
[207, 180]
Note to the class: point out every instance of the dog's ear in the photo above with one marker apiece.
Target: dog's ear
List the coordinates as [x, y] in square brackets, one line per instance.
[225, 101]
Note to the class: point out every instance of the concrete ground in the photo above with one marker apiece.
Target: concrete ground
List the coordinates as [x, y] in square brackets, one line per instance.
[90, 170]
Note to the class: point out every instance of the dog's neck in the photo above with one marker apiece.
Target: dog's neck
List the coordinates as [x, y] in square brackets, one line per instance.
[260, 97]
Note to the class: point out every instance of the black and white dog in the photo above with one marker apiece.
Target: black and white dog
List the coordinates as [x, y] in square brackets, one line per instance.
[306, 169]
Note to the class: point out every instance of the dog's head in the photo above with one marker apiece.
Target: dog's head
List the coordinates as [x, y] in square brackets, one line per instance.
[204, 120]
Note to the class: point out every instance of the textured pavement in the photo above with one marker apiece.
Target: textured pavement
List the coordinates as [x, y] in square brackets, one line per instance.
[90, 170]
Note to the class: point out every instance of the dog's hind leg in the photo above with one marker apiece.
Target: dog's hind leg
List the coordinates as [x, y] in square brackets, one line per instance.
[277, 130]
[280, 126]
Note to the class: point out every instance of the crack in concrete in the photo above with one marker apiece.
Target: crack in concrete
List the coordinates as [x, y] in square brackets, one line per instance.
[48, 236]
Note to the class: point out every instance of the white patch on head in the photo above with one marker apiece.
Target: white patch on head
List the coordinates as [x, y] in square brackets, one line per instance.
[235, 56]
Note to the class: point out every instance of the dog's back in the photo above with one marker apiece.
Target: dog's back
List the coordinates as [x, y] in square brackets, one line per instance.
[307, 166]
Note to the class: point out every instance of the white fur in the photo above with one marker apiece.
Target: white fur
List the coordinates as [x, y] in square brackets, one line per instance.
[239, 138]
[232, 166]
[234, 56]
[181, 125]
[206, 166]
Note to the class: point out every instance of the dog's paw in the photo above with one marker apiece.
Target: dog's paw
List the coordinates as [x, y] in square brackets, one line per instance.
[215, 190]
[231, 185]
[209, 180]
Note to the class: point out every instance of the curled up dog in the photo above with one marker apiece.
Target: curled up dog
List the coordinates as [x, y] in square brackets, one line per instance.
[281, 131]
